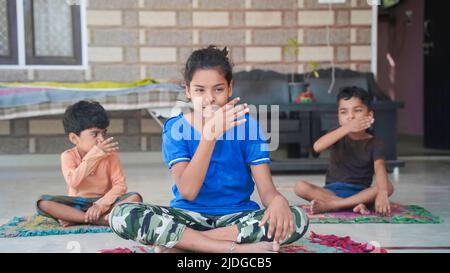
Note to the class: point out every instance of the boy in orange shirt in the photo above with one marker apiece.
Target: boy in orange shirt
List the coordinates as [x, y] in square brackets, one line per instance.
[92, 170]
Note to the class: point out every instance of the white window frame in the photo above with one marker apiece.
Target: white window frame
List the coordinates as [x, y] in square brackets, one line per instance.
[374, 41]
[21, 42]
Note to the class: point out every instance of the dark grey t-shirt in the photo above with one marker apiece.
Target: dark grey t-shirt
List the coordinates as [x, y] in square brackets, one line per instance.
[351, 161]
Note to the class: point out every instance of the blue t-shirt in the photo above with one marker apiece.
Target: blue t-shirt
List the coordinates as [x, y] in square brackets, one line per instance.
[228, 184]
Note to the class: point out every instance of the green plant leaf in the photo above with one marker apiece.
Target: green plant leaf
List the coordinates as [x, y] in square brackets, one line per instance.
[294, 45]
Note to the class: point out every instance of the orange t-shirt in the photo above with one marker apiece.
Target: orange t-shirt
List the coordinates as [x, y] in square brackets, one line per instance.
[95, 175]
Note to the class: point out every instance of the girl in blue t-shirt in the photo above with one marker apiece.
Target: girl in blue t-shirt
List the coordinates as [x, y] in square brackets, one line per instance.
[216, 154]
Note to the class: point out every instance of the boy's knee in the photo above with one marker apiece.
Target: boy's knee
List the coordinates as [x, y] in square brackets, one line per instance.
[301, 187]
[136, 197]
[43, 205]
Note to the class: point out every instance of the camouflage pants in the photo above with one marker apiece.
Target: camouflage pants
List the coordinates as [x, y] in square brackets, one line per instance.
[159, 225]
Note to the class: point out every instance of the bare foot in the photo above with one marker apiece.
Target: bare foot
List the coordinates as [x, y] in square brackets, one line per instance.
[102, 222]
[163, 249]
[318, 206]
[106, 219]
[260, 247]
[65, 223]
[361, 209]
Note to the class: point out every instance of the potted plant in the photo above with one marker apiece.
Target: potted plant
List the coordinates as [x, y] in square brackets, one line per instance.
[299, 90]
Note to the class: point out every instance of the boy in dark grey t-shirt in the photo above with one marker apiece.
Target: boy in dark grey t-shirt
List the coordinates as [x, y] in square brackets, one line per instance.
[355, 157]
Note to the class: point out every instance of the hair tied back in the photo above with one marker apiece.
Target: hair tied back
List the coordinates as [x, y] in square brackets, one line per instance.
[225, 51]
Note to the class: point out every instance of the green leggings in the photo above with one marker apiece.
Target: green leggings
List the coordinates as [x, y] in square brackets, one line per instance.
[164, 226]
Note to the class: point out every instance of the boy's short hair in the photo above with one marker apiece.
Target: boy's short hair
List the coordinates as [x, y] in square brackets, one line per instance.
[84, 115]
[349, 92]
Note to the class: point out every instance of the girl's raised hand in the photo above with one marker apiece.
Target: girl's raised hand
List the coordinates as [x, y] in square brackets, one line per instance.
[224, 119]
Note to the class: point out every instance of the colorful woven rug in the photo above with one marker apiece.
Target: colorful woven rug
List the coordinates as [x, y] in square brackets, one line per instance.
[400, 214]
[37, 225]
[315, 243]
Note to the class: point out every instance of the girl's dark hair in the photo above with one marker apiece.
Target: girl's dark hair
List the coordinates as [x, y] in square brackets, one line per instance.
[84, 115]
[209, 58]
[349, 92]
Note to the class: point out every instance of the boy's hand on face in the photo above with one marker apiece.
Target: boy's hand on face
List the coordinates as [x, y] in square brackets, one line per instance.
[224, 119]
[93, 214]
[107, 146]
[359, 124]
[382, 204]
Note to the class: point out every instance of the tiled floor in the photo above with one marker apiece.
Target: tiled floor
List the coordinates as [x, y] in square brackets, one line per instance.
[425, 182]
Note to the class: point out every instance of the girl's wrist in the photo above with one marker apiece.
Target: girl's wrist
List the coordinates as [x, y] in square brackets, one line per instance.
[280, 197]
[208, 139]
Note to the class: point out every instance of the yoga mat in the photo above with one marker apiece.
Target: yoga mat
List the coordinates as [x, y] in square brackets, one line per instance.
[400, 214]
[37, 225]
[315, 243]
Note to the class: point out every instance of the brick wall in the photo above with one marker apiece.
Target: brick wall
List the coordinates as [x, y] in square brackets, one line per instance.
[134, 39]
[134, 130]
